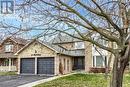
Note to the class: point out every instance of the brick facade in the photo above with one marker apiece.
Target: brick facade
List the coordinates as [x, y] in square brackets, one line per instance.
[44, 51]
[5, 56]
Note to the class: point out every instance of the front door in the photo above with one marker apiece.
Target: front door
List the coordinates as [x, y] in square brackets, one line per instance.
[78, 63]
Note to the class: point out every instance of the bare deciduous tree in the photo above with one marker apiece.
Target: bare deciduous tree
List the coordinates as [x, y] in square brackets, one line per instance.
[110, 19]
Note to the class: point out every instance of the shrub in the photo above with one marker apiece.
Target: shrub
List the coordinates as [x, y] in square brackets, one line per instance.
[98, 70]
[61, 68]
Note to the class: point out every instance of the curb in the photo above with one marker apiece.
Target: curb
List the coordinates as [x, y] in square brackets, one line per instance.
[44, 80]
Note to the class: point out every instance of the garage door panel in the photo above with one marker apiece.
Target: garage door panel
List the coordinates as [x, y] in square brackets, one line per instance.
[28, 65]
[46, 65]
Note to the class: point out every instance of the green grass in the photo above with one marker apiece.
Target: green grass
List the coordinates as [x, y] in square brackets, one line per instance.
[7, 73]
[82, 80]
[126, 80]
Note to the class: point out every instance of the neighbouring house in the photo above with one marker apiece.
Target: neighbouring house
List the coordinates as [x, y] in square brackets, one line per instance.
[8, 47]
[61, 55]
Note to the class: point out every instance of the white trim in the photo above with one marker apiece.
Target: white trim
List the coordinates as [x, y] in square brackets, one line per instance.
[35, 65]
[19, 65]
[9, 64]
[95, 61]
[92, 58]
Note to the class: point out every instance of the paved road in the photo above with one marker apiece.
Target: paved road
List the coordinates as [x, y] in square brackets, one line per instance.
[14, 81]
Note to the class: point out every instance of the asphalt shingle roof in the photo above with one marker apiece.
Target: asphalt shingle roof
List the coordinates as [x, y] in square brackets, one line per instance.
[7, 55]
[20, 40]
[77, 52]
[64, 39]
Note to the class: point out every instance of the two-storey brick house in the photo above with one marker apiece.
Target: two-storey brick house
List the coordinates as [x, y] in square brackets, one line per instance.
[8, 47]
[62, 53]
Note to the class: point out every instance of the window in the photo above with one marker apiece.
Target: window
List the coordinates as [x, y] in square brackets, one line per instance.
[98, 61]
[79, 45]
[102, 41]
[6, 62]
[8, 48]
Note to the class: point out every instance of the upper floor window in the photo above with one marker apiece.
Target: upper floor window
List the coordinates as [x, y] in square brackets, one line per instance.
[79, 45]
[102, 41]
[9, 48]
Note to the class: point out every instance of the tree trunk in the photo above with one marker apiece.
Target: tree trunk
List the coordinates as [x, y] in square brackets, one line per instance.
[118, 71]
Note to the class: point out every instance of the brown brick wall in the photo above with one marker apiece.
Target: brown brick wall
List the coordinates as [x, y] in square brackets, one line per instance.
[66, 62]
[1, 61]
[16, 46]
[88, 56]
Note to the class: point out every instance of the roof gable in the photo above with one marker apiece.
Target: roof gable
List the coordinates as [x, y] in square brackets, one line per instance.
[54, 48]
[15, 40]
[31, 42]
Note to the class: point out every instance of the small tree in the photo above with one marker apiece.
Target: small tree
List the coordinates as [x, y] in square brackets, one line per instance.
[61, 68]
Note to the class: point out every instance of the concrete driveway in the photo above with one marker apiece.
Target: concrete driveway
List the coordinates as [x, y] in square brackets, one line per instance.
[14, 81]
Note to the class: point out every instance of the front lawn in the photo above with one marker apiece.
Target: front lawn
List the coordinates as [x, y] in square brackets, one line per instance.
[82, 80]
[7, 73]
